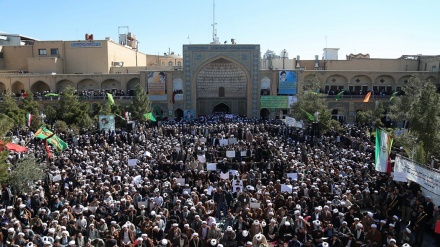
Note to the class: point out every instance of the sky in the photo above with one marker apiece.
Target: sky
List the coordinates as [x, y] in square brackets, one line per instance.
[382, 28]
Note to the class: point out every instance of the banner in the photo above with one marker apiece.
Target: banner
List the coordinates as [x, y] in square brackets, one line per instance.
[107, 122]
[427, 178]
[277, 102]
[156, 83]
[287, 82]
[177, 90]
[274, 102]
[400, 177]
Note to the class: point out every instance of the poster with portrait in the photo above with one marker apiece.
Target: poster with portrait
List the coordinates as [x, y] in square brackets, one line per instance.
[177, 90]
[287, 82]
[107, 122]
[188, 115]
[156, 82]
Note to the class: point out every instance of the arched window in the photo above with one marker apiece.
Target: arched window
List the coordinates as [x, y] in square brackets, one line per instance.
[221, 92]
[170, 63]
[179, 63]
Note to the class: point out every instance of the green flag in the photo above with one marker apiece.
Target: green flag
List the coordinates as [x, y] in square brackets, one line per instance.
[310, 116]
[339, 94]
[45, 134]
[110, 99]
[51, 95]
[393, 95]
[149, 116]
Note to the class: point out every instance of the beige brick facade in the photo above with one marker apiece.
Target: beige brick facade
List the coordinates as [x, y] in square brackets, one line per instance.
[207, 78]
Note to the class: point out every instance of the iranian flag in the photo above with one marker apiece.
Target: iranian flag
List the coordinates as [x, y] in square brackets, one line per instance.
[28, 119]
[384, 142]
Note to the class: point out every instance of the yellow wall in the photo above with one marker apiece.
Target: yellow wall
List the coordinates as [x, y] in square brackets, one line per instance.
[373, 64]
[86, 60]
[16, 57]
[45, 65]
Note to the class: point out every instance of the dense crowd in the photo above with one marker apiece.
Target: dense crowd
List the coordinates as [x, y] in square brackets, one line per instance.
[214, 182]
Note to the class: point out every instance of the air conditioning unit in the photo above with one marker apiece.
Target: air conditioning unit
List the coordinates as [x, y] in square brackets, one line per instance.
[118, 64]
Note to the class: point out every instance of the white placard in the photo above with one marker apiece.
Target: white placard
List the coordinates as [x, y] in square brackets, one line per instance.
[254, 205]
[230, 154]
[201, 158]
[232, 141]
[132, 162]
[116, 178]
[137, 180]
[293, 176]
[187, 190]
[148, 154]
[203, 139]
[234, 172]
[181, 181]
[224, 175]
[142, 203]
[223, 142]
[243, 153]
[92, 209]
[286, 187]
[209, 190]
[56, 178]
[211, 166]
[400, 177]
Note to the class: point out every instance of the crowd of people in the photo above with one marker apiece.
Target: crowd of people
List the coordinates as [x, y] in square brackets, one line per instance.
[214, 182]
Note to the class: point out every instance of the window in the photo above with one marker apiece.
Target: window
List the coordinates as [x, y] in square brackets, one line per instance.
[54, 51]
[179, 63]
[221, 92]
[170, 63]
[42, 52]
[434, 68]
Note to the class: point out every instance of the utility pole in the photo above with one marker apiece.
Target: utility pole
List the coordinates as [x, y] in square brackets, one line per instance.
[284, 57]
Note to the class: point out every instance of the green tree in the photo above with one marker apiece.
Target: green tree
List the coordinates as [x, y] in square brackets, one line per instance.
[72, 111]
[378, 113]
[312, 102]
[420, 107]
[60, 126]
[25, 173]
[29, 105]
[363, 118]
[12, 110]
[140, 104]
[51, 113]
[6, 124]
